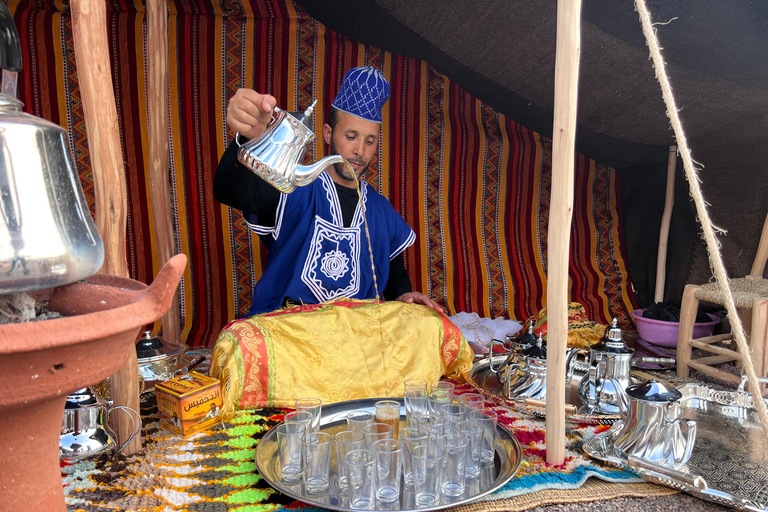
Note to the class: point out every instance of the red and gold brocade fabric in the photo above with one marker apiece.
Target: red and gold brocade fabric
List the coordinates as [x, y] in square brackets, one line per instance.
[336, 351]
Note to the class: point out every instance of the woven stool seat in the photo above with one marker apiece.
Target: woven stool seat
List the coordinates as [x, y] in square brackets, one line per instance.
[744, 289]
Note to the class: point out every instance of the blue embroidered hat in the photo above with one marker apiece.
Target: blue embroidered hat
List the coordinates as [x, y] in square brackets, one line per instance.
[363, 92]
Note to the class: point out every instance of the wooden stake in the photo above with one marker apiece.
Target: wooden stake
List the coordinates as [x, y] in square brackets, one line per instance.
[666, 218]
[758, 265]
[560, 215]
[89, 29]
[159, 181]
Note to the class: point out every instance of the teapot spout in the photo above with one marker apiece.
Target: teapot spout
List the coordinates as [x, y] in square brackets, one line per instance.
[306, 174]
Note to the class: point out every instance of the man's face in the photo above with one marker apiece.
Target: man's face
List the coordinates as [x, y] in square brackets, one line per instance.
[354, 139]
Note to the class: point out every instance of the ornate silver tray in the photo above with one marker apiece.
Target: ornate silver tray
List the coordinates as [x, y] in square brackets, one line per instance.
[486, 382]
[729, 463]
[333, 419]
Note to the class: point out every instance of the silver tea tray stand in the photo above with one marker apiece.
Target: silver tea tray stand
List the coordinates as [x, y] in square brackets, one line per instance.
[333, 419]
[483, 379]
[729, 463]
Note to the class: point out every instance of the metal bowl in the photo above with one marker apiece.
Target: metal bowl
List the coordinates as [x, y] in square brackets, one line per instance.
[159, 360]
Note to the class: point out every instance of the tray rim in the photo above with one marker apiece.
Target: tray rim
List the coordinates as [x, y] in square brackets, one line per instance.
[500, 481]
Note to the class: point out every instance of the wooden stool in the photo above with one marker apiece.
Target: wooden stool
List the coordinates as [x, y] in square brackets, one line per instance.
[750, 294]
[754, 316]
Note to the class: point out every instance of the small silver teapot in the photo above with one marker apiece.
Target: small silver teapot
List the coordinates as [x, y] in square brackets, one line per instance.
[610, 361]
[518, 346]
[651, 430]
[526, 377]
[85, 428]
[275, 154]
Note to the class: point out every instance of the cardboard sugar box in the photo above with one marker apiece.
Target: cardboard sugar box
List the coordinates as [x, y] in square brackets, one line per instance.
[188, 403]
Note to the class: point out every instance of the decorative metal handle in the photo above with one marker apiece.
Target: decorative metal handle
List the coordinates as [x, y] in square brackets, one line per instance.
[190, 366]
[237, 134]
[595, 374]
[135, 425]
[743, 383]
[490, 356]
[654, 360]
[571, 361]
[689, 442]
[673, 474]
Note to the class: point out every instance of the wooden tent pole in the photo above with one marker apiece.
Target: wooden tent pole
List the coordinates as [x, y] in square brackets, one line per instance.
[758, 265]
[560, 215]
[89, 30]
[159, 153]
[666, 218]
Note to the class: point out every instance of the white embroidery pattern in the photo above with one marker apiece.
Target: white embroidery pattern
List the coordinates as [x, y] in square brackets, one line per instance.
[333, 198]
[333, 257]
[334, 264]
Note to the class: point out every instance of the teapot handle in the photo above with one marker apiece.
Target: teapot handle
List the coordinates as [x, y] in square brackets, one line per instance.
[594, 376]
[571, 360]
[689, 441]
[135, 425]
[237, 134]
[490, 356]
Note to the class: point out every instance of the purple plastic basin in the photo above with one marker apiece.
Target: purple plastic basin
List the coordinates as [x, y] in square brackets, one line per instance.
[663, 333]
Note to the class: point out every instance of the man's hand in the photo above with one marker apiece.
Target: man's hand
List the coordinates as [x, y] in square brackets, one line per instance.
[250, 112]
[419, 298]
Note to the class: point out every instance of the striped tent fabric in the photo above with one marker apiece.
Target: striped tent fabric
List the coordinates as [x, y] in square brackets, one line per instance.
[473, 184]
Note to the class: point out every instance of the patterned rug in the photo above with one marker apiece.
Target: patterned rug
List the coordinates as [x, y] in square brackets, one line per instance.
[214, 471]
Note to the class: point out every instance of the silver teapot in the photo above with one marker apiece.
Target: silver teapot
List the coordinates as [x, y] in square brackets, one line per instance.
[651, 425]
[525, 377]
[275, 154]
[610, 361]
[518, 346]
[47, 235]
[85, 428]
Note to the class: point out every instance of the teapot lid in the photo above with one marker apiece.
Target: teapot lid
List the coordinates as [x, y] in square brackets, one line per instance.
[151, 348]
[526, 339]
[653, 391]
[613, 341]
[83, 398]
[537, 351]
[10, 103]
[305, 117]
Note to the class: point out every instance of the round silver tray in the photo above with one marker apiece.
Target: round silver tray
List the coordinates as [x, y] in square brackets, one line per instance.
[492, 477]
[487, 383]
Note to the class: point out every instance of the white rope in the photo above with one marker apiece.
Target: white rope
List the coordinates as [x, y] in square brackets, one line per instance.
[716, 260]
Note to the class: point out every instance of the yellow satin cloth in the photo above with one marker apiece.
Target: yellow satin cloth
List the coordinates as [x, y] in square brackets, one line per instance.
[335, 351]
[582, 332]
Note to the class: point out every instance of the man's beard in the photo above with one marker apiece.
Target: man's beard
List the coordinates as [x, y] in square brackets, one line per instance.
[345, 171]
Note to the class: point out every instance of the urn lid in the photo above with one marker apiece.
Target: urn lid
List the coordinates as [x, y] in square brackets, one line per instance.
[653, 391]
[537, 351]
[522, 339]
[153, 348]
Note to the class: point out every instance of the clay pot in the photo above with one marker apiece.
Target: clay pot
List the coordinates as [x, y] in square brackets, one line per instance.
[43, 362]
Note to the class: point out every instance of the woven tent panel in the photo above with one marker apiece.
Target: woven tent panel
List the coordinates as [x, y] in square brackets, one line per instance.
[472, 183]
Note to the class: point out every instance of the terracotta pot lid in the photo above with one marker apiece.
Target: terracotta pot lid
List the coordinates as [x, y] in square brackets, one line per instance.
[151, 348]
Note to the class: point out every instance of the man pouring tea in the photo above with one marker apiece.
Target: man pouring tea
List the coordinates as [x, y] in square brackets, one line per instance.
[316, 236]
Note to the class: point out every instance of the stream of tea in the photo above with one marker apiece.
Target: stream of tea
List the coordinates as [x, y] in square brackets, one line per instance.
[370, 248]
